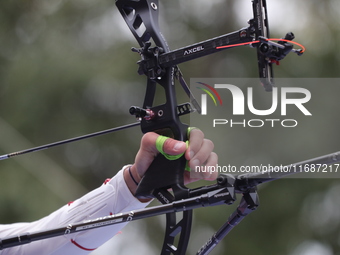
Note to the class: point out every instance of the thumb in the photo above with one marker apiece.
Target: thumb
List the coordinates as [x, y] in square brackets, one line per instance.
[173, 147]
[148, 151]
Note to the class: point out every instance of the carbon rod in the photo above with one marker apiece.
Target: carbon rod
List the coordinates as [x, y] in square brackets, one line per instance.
[177, 206]
[246, 181]
[50, 145]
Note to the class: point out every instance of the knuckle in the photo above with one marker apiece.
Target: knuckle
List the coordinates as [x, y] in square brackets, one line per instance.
[209, 143]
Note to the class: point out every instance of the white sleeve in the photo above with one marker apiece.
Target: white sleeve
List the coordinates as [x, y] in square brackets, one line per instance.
[111, 198]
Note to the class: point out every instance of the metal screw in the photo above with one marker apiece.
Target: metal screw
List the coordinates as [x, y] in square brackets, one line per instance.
[243, 33]
[154, 6]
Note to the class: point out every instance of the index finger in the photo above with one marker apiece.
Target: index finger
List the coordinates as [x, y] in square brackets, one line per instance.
[196, 137]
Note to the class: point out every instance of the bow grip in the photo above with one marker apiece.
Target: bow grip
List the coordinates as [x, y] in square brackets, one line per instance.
[164, 174]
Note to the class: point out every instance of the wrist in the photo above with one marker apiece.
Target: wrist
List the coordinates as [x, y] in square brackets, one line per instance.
[132, 177]
[132, 180]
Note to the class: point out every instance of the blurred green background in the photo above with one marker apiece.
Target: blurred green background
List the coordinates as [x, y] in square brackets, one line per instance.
[66, 69]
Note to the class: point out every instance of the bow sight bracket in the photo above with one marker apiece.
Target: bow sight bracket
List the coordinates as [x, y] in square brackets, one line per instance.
[155, 59]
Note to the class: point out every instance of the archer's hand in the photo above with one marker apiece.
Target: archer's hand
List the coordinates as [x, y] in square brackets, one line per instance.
[199, 153]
